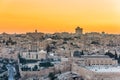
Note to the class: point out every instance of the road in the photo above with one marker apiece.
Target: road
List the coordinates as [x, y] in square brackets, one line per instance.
[11, 72]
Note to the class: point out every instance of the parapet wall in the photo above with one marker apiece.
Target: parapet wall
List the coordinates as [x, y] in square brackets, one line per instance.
[27, 74]
[60, 68]
[91, 75]
[86, 74]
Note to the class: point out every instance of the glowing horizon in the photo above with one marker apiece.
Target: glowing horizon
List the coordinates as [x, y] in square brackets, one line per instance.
[49, 16]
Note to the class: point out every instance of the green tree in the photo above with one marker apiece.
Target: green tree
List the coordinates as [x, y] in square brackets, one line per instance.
[119, 59]
[82, 53]
[35, 68]
[116, 57]
[51, 76]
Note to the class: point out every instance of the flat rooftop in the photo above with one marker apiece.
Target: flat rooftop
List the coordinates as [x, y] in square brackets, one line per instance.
[104, 68]
[95, 56]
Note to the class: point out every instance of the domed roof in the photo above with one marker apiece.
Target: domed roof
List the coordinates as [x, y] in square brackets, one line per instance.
[78, 27]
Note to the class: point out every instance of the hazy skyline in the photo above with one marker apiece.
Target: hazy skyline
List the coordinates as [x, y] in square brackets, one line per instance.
[19, 16]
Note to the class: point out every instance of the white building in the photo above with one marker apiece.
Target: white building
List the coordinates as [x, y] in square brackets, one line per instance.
[35, 55]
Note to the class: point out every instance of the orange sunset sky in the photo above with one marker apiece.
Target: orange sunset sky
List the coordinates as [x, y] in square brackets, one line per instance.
[20, 16]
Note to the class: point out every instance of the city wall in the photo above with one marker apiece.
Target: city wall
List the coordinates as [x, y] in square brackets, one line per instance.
[86, 74]
[63, 67]
[90, 75]
[28, 74]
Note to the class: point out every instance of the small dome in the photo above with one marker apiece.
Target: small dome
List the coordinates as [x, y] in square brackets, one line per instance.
[78, 28]
[49, 39]
[42, 51]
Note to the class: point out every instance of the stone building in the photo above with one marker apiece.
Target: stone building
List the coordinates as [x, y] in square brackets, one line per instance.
[34, 55]
[35, 35]
[101, 73]
[79, 30]
[90, 60]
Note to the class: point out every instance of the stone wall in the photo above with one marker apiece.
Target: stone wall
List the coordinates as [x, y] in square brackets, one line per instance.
[86, 74]
[27, 74]
[63, 67]
[107, 76]
[90, 75]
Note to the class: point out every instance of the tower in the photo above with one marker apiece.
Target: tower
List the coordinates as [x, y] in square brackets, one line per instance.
[36, 31]
[79, 30]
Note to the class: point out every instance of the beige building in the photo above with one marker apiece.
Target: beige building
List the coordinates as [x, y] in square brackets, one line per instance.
[35, 55]
[35, 35]
[89, 74]
[90, 60]
[96, 67]
[79, 30]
